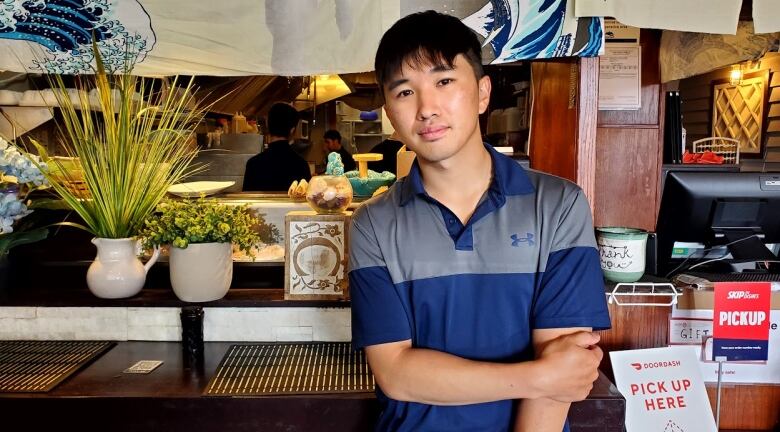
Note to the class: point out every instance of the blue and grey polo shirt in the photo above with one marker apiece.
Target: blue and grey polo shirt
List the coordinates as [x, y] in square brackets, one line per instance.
[526, 260]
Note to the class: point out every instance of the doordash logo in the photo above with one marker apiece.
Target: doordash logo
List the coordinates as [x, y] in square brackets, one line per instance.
[656, 365]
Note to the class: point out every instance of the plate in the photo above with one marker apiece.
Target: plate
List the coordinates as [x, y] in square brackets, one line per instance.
[195, 189]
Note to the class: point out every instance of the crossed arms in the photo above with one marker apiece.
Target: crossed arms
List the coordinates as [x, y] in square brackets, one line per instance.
[564, 370]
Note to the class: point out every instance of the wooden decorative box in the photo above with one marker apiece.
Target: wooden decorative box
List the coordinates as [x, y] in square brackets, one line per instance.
[315, 266]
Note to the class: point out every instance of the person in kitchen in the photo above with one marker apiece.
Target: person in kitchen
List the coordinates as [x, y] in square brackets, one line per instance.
[278, 166]
[332, 143]
[475, 284]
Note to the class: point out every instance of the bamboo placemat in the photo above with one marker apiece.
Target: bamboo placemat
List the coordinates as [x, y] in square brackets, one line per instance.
[38, 366]
[291, 368]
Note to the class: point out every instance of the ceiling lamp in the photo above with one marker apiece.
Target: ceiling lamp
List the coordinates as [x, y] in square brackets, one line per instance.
[321, 89]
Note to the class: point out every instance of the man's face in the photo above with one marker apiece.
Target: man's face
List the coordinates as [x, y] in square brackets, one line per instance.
[435, 109]
[332, 144]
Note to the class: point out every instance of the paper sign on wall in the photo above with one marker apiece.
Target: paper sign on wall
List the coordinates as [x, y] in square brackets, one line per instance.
[620, 78]
[664, 390]
[740, 327]
[617, 33]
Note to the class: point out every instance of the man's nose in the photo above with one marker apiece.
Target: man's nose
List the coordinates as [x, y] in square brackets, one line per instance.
[428, 105]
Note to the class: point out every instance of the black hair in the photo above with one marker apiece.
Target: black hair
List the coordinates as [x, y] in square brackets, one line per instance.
[281, 118]
[332, 134]
[426, 37]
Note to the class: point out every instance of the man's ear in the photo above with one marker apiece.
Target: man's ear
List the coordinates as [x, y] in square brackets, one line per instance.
[485, 87]
[292, 131]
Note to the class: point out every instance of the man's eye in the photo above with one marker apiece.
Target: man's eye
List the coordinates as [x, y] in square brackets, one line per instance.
[404, 93]
[445, 81]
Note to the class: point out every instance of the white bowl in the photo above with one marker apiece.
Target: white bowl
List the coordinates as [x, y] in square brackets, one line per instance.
[195, 189]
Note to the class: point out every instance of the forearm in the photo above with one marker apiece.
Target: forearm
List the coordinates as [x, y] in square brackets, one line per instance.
[541, 415]
[437, 378]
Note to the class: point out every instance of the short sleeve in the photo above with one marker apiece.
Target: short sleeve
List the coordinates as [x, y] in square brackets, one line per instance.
[378, 315]
[571, 288]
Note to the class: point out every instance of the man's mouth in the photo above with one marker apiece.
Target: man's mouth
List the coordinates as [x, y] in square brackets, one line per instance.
[432, 133]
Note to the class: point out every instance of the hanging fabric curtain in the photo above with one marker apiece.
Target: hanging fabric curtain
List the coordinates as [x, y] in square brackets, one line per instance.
[685, 54]
[701, 16]
[279, 37]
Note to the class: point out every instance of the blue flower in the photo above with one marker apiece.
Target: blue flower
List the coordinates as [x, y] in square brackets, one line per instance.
[13, 163]
[11, 210]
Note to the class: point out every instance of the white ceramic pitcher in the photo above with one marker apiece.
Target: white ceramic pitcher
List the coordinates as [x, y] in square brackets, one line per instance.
[117, 272]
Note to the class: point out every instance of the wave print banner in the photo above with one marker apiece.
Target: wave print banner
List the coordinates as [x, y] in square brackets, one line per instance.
[267, 37]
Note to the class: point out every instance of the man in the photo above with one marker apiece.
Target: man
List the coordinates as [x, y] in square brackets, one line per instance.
[278, 166]
[389, 150]
[475, 284]
[333, 144]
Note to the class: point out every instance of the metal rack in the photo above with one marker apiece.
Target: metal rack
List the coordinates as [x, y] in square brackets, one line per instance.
[623, 291]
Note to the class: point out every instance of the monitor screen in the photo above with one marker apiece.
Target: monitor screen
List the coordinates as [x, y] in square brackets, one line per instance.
[716, 208]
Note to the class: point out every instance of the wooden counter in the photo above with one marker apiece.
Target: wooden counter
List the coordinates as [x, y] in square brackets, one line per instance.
[101, 398]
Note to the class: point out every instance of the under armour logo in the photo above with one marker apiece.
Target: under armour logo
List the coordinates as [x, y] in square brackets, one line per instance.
[529, 239]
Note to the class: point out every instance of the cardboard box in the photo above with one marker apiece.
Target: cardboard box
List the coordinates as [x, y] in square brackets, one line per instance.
[705, 299]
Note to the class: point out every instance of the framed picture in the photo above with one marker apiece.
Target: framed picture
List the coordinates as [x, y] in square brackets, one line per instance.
[738, 112]
[315, 265]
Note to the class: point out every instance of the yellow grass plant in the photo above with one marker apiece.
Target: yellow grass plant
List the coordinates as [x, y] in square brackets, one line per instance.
[128, 149]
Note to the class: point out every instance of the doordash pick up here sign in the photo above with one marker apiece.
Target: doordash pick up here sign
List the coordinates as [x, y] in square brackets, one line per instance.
[664, 390]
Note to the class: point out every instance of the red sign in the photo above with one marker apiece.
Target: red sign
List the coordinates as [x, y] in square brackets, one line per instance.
[740, 326]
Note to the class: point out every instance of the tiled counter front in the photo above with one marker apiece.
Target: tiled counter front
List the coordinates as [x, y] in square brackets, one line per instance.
[254, 324]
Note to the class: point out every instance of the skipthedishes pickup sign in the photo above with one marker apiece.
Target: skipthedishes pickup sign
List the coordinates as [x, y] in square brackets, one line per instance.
[664, 390]
[740, 327]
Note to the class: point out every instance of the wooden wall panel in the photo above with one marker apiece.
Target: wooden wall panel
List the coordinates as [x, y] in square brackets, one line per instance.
[747, 406]
[694, 105]
[554, 122]
[587, 106]
[627, 177]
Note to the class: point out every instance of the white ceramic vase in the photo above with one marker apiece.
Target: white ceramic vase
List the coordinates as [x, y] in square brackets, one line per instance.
[117, 272]
[202, 272]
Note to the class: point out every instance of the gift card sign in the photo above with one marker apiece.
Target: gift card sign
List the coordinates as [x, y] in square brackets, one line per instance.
[143, 367]
[740, 327]
[664, 390]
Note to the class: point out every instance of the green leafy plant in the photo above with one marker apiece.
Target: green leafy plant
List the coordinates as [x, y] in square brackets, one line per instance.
[183, 222]
[128, 149]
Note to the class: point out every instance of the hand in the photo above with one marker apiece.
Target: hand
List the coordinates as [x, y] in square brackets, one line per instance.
[567, 366]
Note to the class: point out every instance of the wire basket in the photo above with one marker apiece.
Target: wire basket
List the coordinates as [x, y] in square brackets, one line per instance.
[728, 148]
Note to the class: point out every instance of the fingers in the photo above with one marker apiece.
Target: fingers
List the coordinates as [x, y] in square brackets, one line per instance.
[584, 339]
[598, 352]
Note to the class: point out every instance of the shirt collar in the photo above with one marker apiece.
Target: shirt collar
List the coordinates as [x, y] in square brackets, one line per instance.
[509, 178]
[279, 144]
